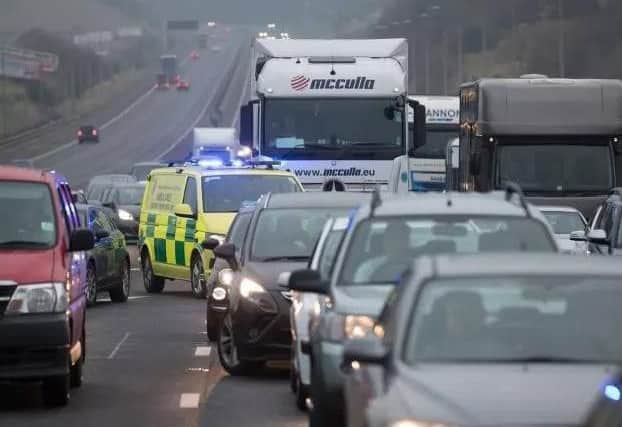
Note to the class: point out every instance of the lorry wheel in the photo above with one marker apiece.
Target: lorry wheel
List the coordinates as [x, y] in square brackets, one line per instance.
[153, 284]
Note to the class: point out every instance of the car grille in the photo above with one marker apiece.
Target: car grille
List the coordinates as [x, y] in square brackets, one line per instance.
[6, 291]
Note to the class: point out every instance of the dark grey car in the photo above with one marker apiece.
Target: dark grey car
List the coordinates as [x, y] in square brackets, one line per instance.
[282, 233]
[488, 340]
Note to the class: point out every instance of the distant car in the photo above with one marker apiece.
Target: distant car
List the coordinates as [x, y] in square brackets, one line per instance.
[141, 170]
[23, 163]
[88, 133]
[99, 183]
[604, 235]
[161, 81]
[194, 55]
[122, 201]
[489, 340]
[183, 84]
[565, 221]
[108, 263]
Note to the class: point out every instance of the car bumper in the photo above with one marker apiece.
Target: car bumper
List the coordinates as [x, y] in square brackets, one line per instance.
[262, 331]
[34, 346]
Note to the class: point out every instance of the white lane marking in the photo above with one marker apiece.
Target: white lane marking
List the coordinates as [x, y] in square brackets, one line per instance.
[105, 125]
[202, 351]
[118, 347]
[135, 269]
[189, 400]
[107, 299]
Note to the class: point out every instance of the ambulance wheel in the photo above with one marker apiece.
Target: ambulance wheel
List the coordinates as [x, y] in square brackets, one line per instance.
[153, 284]
[197, 277]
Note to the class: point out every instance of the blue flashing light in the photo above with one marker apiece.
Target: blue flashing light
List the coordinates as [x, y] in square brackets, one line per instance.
[612, 392]
[210, 163]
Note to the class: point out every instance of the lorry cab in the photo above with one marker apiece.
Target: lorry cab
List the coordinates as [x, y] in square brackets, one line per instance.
[557, 138]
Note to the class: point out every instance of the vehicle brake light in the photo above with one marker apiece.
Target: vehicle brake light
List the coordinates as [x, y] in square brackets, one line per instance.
[94, 131]
[79, 133]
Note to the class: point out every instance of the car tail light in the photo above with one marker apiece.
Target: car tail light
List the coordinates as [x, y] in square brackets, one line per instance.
[94, 132]
[79, 133]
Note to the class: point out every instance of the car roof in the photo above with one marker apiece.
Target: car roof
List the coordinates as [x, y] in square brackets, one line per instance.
[199, 171]
[148, 164]
[15, 173]
[315, 200]
[433, 203]
[558, 209]
[520, 263]
[104, 179]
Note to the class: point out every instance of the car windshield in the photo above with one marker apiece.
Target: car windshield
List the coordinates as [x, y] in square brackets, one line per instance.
[226, 193]
[436, 144]
[516, 319]
[556, 168]
[301, 228]
[564, 222]
[332, 128]
[131, 195]
[140, 172]
[382, 248]
[27, 218]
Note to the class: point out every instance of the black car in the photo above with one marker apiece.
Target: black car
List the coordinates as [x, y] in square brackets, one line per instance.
[222, 275]
[108, 263]
[281, 236]
[123, 203]
[88, 133]
[604, 234]
[488, 340]
[98, 184]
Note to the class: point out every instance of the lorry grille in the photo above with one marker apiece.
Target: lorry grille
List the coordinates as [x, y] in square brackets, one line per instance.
[6, 291]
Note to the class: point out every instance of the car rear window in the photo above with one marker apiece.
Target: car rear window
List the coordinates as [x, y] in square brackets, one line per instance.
[27, 218]
[382, 248]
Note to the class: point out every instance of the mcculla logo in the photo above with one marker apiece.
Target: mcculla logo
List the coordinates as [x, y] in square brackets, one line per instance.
[299, 83]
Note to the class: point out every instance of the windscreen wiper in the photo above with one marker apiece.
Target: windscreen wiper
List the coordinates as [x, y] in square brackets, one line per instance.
[284, 258]
[550, 359]
[297, 148]
[21, 243]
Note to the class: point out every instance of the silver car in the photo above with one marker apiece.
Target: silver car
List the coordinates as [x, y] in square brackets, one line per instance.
[566, 221]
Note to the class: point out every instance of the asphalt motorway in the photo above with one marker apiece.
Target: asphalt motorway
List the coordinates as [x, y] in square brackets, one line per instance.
[148, 360]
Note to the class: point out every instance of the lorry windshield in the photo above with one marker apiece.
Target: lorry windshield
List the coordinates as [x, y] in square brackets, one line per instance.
[436, 143]
[26, 216]
[332, 129]
[556, 168]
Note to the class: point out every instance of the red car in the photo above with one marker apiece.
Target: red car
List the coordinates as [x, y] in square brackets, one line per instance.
[88, 133]
[194, 55]
[42, 283]
[183, 85]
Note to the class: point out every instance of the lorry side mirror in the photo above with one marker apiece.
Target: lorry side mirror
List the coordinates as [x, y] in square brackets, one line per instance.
[389, 113]
[419, 128]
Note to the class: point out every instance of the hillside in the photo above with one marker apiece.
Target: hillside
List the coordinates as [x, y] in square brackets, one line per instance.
[60, 16]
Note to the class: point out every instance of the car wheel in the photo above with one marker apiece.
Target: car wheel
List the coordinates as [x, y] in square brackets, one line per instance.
[228, 352]
[153, 284]
[91, 285]
[196, 277]
[122, 292]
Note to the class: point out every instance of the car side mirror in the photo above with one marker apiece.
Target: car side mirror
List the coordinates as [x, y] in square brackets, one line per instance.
[226, 251]
[598, 237]
[366, 350]
[101, 234]
[210, 244]
[81, 239]
[183, 210]
[283, 280]
[578, 236]
[308, 281]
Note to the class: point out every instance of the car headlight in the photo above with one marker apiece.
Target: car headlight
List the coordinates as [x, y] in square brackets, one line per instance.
[413, 423]
[219, 237]
[219, 293]
[125, 215]
[40, 298]
[225, 276]
[251, 289]
[358, 326]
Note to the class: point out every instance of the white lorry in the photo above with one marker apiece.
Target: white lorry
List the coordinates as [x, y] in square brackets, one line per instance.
[215, 143]
[426, 166]
[330, 110]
